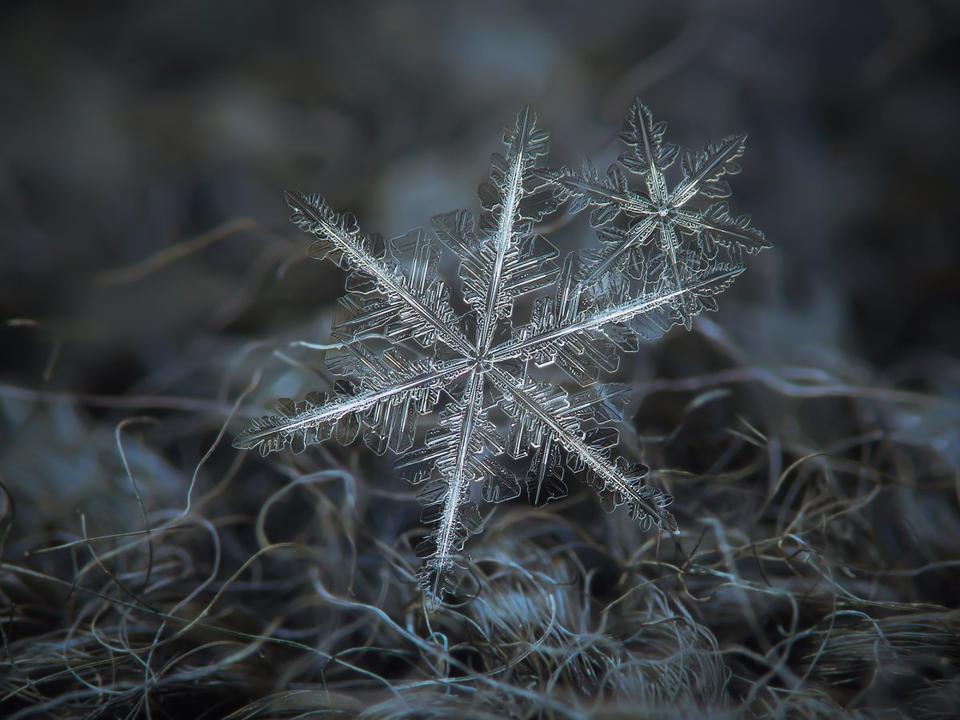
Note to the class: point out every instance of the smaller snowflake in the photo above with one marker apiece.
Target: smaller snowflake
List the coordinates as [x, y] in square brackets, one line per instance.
[659, 212]
[478, 369]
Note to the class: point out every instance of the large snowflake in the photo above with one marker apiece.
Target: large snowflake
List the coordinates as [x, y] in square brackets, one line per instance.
[410, 348]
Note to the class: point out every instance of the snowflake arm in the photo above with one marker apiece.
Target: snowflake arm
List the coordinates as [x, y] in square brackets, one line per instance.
[670, 241]
[583, 334]
[510, 260]
[618, 482]
[611, 257]
[384, 410]
[411, 301]
[716, 225]
[588, 188]
[650, 155]
[702, 171]
[456, 455]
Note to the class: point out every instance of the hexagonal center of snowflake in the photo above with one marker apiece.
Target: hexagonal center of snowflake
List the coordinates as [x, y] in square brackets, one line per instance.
[482, 362]
[663, 210]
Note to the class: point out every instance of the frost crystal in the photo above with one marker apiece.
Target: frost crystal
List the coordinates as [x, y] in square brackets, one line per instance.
[478, 370]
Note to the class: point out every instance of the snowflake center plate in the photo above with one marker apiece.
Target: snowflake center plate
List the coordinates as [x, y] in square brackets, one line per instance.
[482, 362]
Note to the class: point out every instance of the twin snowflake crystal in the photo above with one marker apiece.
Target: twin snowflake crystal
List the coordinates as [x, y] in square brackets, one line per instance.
[660, 261]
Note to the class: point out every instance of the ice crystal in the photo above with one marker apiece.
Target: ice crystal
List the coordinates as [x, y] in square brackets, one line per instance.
[477, 370]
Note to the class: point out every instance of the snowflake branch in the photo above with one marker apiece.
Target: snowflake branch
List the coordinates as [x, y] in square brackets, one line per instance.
[270, 433]
[709, 165]
[511, 193]
[641, 120]
[447, 536]
[614, 314]
[640, 498]
[723, 228]
[670, 243]
[637, 235]
[319, 224]
[630, 201]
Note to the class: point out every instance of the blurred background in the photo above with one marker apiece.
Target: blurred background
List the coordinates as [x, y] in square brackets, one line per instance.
[148, 268]
[137, 125]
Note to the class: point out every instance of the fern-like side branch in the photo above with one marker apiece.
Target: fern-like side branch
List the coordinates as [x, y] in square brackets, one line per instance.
[316, 222]
[616, 314]
[270, 433]
[645, 503]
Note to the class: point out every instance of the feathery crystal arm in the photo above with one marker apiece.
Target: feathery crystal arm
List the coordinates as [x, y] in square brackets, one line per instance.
[671, 244]
[516, 157]
[375, 268]
[615, 314]
[656, 182]
[718, 223]
[708, 166]
[612, 193]
[630, 201]
[273, 431]
[637, 235]
[598, 464]
[447, 537]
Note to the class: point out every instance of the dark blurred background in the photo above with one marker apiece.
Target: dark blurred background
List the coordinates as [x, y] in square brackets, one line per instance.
[144, 245]
[128, 127]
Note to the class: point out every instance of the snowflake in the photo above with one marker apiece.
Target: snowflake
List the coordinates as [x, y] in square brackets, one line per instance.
[464, 358]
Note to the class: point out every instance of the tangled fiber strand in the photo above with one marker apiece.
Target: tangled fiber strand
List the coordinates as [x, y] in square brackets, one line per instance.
[813, 577]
